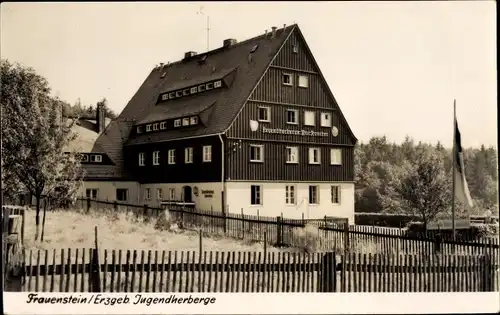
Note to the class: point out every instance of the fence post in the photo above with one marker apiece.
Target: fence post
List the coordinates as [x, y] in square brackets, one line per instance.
[201, 241]
[437, 243]
[145, 213]
[88, 204]
[243, 224]
[328, 275]
[95, 275]
[224, 215]
[115, 205]
[346, 237]
[279, 227]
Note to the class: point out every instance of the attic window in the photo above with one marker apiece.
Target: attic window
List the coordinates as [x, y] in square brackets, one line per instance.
[85, 158]
[163, 125]
[254, 48]
[96, 158]
[194, 90]
[185, 92]
[210, 86]
[171, 95]
[155, 126]
[163, 75]
[287, 79]
[148, 128]
[177, 123]
[201, 88]
[164, 97]
[194, 120]
[295, 49]
[202, 60]
[139, 129]
[185, 121]
[217, 84]
[178, 93]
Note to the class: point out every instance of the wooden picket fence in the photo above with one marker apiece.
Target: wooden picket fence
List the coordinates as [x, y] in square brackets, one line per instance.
[79, 270]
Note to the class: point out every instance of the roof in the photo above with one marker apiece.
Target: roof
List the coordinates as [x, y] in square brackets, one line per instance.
[86, 136]
[232, 63]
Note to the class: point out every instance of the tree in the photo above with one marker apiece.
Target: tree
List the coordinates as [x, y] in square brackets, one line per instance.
[34, 138]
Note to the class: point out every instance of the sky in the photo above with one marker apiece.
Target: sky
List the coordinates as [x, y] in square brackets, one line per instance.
[394, 67]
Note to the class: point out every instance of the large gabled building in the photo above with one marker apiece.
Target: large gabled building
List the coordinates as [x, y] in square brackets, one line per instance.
[250, 126]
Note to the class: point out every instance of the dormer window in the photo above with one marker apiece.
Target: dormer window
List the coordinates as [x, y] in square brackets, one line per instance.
[171, 95]
[96, 158]
[139, 129]
[194, 120]
[185, 121]
[254, 48]
[155, 126]
[177, 123]
[185, 92]
[164, 97]
[85, 158]
[210, 86]
[201, 88]
[194, 90]
[178, 93]
[148, 128]
[217, 84]
[163, 125]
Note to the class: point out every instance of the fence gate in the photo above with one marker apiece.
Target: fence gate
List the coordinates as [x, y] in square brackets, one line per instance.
[12, 252]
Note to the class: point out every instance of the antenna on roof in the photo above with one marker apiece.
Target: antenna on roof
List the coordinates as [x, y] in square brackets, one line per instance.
[200, 12]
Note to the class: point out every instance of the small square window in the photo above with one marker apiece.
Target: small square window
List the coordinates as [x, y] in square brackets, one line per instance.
[121, 194]
[171, 156]
[256, 153]
[185, 92]
[287, 79]
[177, 123]
[217, 84]
[171, 95]
[85, 158]
[97, 158]
[139, 129]
[155, 126]
[148, 128]
[292, 116]
[178, 93]
[295, 49]
[309, 118]
[314, 156]
[194, 90]
[201, 88]
[185, 121]
[210, 86]
[194, 120]
[256, 195]
[264, 114]
[164, 97]
[303, 81]
[326, 120]
[163, 125]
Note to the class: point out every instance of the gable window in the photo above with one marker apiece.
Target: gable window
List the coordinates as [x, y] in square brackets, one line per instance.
[159, 193]
[303, 81]
[256, 195]
[210, 86]
[335, 194]
[295, 49]
[287, 79]
[264, 114]
[91, 193]
[147, 194]
[156, 158]
[141, 159]
[194, 120]
[155, 126]
[121, 194]
[148, 128]
[217, 84]
[171, 193]
[201, 88]
[139, 129]
[177, 123]
[188, 155]
[185, 92]
[164, 97]
[292, 116]
[256, 153]
[290, 195]
[314, 156]
[178, 93]
[185, 121]
[171, 156]
[207, 153]
[309, 118]
[292, 155]
[163, 125]
[313, 195]
[326, 120]
[194, 90]
[171, 95]
[336, 156]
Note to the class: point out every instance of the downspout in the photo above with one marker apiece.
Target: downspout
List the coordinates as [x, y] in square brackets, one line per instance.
[223, 162]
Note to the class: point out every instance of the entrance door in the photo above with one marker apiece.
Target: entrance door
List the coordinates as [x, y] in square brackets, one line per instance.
[187, 192]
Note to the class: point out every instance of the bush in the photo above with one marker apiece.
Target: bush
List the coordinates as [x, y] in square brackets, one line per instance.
[163, 222]
[307, 239]
[382, 219]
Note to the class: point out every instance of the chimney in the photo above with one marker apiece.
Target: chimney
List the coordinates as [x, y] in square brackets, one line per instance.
[229, 42]
[100, 117]
[274, 28]
[284, 26]
[265, 34]
[189, 54]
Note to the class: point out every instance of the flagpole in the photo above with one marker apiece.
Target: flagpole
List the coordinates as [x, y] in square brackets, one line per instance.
[453, 170]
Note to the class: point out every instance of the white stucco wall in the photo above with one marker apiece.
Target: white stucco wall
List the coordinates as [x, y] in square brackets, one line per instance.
[107, 190]
[273, 202]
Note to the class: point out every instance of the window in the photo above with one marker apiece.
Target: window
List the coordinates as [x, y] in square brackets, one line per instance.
[171, 193]
[303, 81]
[147, 194]
[207, 153]
[171, 95]
[96, 158]
[210, 86]
[313, 195]
[309, 118]
[264, 113]
[185, 92]
[295, 49]
[121, 194]
[91, 193]
[185, 121]
[141, 159]
[314, 156]
[155, 126]
[159, 193]
[188, 155]
[326, 120]
[290, 195]
[292, 155]
[256, 153]
[178, 93]
[287, 79]
[335, 194]
[164, 97]
[177, 123]
[255, 195]
[201, 88]
[194, 90]
[163, 125]
[292, 116]
[156, 158]
[194, 120]
[217, 84]
[85, 158]
[139, 129]
[254, 48]
[171, 156]
[148, 128]
[336, 156]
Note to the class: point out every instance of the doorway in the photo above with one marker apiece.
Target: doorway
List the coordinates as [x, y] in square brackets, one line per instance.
[187, 192]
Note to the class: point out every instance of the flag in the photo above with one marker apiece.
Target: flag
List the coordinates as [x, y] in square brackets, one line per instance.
[461, 189]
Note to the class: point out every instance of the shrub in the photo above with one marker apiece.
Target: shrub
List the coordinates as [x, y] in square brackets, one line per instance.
[382, 219]
[307, 239]
[163, 222]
